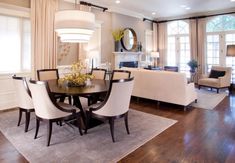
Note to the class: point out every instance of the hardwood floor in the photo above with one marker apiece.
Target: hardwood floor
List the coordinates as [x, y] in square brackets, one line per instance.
[200, 135]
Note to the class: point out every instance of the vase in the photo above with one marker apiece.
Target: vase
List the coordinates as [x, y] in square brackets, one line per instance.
[116, 46]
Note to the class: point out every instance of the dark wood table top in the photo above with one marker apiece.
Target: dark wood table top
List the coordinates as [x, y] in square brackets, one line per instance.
[96, 86]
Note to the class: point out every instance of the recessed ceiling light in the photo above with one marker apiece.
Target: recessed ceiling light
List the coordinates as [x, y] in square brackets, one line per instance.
[187, 8]
[153, 13]
[232, 0]
[183, 6]
[117, 1]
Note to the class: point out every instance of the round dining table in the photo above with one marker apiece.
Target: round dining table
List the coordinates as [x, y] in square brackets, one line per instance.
[93, 88]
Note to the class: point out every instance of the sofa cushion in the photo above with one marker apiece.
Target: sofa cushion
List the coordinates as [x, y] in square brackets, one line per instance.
[211, 82]
[216, 74]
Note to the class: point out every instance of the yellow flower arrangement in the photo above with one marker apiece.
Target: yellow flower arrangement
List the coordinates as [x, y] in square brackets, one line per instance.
[77, 76]
[118, 34]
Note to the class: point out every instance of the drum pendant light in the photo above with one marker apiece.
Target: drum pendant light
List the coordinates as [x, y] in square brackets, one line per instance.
[74, 25]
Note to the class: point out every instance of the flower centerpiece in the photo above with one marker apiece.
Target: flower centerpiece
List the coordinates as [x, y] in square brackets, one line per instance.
[77, 77]
[117, 36]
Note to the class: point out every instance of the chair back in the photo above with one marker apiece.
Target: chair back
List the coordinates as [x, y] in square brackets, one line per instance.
[23, 94]
[120, 74]
[44, 103]
[118, 100]
[98, 73]
[47, 74]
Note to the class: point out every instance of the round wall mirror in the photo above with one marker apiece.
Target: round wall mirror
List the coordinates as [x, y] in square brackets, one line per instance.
[129, 40]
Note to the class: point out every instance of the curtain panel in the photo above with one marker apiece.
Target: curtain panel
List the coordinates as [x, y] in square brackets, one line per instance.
[44, 40]
[201, 46]
[162, 43]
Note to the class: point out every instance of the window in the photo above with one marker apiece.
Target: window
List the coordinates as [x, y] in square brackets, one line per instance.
[178, 50]
[220, 33]
[15, 44]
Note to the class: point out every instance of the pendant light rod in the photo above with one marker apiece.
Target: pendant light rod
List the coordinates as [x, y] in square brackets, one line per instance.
[92, 5]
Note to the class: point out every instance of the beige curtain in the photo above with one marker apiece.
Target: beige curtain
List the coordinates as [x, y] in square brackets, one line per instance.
[162, 42]
[155, 36]
[44, 40]
[193, 38]
[201, 46]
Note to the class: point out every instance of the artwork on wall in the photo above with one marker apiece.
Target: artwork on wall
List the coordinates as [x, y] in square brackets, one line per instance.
[68, 53]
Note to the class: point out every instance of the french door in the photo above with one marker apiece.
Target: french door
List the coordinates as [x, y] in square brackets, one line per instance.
[217, 48]
[179, 52]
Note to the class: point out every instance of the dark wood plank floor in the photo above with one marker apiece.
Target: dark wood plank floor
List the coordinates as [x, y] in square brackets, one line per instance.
[200, 135]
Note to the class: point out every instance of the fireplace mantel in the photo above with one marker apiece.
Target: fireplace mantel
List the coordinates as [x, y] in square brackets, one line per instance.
[125, 57]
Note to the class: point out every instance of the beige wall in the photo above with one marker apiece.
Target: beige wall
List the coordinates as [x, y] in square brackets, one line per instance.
[21, 3]
[111, 21]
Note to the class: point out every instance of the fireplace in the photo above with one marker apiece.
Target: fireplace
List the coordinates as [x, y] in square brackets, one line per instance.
[126, 59]
[128, 64]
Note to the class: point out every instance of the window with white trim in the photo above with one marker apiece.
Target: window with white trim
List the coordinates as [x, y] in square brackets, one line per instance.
[15, 44]
[178, 49]
[220, 32]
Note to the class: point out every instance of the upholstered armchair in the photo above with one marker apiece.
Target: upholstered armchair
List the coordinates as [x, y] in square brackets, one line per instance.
[217, 82]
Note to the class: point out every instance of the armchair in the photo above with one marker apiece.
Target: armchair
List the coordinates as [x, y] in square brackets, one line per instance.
[217, 83]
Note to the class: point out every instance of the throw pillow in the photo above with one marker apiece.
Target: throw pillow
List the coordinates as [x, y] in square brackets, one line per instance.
[216, 74]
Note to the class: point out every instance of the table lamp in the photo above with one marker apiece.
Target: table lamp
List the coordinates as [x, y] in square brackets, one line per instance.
[230, 50]
[155, 56]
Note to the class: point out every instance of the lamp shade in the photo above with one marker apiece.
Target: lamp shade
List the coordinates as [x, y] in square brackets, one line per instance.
[230, 50]
[154, 54]
[74, 25]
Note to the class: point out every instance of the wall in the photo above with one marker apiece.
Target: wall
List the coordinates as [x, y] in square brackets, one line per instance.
[111, 21]
[21, 3]
[123, 21]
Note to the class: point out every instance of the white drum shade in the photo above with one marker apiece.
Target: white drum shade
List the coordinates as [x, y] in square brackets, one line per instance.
[74, 25]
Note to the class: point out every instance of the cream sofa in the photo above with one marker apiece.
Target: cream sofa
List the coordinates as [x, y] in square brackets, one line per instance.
[218, 83]
[165, 86]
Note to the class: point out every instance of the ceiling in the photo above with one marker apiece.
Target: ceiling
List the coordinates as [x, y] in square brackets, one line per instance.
[163, 8]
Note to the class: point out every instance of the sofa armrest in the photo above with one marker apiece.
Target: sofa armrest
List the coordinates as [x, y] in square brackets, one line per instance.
[191, 93]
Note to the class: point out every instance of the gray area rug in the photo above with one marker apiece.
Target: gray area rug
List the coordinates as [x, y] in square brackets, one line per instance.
[209, 99]
[68, 146]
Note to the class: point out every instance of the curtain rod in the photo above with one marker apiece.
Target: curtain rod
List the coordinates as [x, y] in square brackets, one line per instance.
[194, 17]
[96, 6]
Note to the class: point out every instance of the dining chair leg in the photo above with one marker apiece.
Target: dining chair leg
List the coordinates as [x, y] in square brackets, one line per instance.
[37, 128]
[27, 119]
[49, 130]
[20, 116]
[126, 123]
[111, 124]
[78, 117]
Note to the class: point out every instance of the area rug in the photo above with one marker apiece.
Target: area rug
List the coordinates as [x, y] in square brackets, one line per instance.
[96, 146]
[208, 99]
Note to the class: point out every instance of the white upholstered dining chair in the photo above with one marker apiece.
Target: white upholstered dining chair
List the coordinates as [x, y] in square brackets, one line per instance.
[120, 74]
[98, 73]
[46, 108]
[116, 104]
[24, 101]
[47, 74]
[50, 74]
